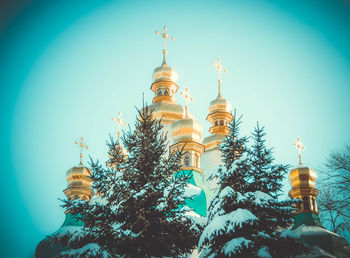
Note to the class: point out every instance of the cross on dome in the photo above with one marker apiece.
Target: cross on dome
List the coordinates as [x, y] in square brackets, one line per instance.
[165, 36]
[299, 145]
[219, 67]
[120, 122]
[82, 146]
[188, 98]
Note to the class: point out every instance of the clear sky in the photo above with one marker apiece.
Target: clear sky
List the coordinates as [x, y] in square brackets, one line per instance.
[68, 67]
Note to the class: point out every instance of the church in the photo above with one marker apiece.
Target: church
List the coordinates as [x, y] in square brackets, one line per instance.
[203, 157]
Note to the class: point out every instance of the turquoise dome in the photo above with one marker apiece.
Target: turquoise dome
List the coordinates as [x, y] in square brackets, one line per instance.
[46, 249]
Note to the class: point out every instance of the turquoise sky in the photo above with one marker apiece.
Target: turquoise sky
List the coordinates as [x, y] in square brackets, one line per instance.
[67, 67]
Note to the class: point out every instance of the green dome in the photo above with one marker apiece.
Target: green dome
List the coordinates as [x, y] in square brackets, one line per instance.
[326, 240]
[198, 202]
[46, 249]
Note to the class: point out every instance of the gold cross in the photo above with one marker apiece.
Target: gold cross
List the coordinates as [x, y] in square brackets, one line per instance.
[299, 145]
[165, 36]
[82, 146]
[120, 122]
[188, 98]
[219, 67]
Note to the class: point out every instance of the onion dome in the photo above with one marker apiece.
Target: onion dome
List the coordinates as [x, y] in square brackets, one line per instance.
[307, 225]
[167, 112]
[164, 84]
[187, 129]
[164, 73]
[220, 115]
[78, 178]
[79, 183]
[46, 248]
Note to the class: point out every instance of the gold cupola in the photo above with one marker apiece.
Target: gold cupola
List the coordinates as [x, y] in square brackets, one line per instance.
[220, 115]
[303, 182]
[187, 134]
[164, 87]
[78, 178]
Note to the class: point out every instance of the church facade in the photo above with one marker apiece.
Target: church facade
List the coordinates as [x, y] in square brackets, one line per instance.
[201, 158]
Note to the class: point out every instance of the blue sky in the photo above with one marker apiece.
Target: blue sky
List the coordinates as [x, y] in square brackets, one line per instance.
[68, 67]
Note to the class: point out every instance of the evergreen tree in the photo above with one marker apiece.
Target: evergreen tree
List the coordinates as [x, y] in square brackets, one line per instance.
[137, 211]
[246, 219]
[274, 215]
[228, 221]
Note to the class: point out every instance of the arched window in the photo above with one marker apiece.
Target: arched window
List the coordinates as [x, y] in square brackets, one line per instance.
[306, 203]
[196, 160]
[160, 92]
[166, 92]
[216, 123]
[314, 204]
[187, 160]
[221, 122]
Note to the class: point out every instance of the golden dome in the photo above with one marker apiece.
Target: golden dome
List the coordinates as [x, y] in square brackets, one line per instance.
[79, 183]
[302, 177]
[167, 112]
[187, 129]
[303, 181]
[220, 104]
[164, 73]
[212, 141]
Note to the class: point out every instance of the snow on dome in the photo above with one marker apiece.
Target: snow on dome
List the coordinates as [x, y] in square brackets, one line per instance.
[311, 230]
[91, 249]
[234, 245]
[288, 234]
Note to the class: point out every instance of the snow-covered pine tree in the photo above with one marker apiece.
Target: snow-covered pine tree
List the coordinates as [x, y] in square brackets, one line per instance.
[246, 219]
[230, 225]
[136, 212]
[271, 236]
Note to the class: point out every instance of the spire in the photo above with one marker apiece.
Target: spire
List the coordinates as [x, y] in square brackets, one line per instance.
[165, 36]
[188, 98]
[219, 67]
[82, 146]
[299, 145]
[120, 122]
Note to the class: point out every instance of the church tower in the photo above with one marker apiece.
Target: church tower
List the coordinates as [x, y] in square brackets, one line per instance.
[164, 87]
[303, 181]
[187, 135]
[79, 187]
[220, 115]
[307, 225]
